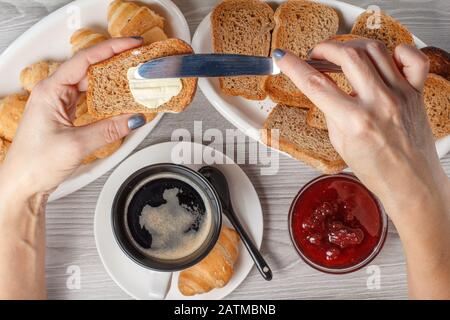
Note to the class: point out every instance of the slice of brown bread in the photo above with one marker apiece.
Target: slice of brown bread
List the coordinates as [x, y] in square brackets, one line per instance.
[302, 142]
[391, 32]
[437, 103]
[300, 25]
[108, 90]
[439, 61]
[242, 27]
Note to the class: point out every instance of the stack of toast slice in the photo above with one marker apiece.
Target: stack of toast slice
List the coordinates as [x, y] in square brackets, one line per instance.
[299, 26]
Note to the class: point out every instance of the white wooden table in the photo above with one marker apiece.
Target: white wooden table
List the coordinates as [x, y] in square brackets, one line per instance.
[70, 238]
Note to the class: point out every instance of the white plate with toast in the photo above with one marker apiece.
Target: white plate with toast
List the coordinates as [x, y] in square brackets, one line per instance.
[134, 279]
[249, 116]
[49, 40]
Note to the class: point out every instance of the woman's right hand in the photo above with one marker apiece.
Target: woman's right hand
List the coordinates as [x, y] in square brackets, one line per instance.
[381, 130]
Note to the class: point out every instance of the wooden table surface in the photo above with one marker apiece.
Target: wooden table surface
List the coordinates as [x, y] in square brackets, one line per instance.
[70, 238]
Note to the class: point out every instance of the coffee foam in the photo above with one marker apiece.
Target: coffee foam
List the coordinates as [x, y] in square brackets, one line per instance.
[170, 223]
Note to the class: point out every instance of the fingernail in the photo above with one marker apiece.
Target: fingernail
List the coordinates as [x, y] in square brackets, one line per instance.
[136, 122]
[278, 54]
[309, 53]
[137, 38]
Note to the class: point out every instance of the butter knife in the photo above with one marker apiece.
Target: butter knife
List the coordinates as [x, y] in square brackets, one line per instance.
[217, 65]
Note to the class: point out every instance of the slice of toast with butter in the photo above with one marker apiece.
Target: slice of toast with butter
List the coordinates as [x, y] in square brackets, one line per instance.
[114, 90]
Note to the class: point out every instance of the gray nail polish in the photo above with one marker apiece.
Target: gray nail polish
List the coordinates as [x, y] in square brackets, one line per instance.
[309, 53]
[136, 122]
[137, 38]
[278, 54]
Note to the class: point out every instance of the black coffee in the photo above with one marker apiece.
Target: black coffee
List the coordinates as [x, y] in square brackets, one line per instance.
[168, 218]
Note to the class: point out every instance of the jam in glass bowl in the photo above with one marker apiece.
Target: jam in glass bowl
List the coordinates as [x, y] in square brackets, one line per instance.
[336, 224]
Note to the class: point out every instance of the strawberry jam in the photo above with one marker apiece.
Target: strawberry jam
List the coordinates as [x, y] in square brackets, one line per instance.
[336, 223]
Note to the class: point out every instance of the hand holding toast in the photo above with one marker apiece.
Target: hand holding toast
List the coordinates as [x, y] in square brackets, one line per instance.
[382, 133]
[47, 131]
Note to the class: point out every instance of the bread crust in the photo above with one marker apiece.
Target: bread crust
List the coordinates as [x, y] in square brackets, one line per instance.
[323, 165]
[315, 160]
[316, 118]
[439, 61]
[133, 58]
[437, 104]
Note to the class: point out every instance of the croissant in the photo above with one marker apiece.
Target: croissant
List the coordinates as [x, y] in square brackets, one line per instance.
[11, 111]
[153, 35]
[216, 270]
[84, 38]
[127, 19]
[4, 146]
[39, 71]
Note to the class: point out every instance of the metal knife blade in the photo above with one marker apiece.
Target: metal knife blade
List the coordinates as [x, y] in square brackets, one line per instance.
[216, 65]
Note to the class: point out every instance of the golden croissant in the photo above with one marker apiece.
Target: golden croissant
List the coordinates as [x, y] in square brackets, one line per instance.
[85, 38]
[216, 270]
[30, 76]
[11, 111]
[127, 19]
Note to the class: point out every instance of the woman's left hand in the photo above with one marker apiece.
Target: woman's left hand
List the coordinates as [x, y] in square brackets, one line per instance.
[48, 147]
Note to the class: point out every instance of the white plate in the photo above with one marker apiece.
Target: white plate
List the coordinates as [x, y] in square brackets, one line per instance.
[249, 116]
[49, 39]
[133, 278]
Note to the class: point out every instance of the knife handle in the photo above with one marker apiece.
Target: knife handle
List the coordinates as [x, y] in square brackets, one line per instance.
[324, 66]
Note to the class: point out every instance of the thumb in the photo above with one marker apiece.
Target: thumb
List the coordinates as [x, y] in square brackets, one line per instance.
[414, 65]
[103, 132]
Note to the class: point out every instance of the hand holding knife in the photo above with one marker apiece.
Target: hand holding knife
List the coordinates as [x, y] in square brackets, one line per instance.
[217, 65]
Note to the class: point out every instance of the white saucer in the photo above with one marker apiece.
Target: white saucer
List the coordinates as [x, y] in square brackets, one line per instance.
[131, 277]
